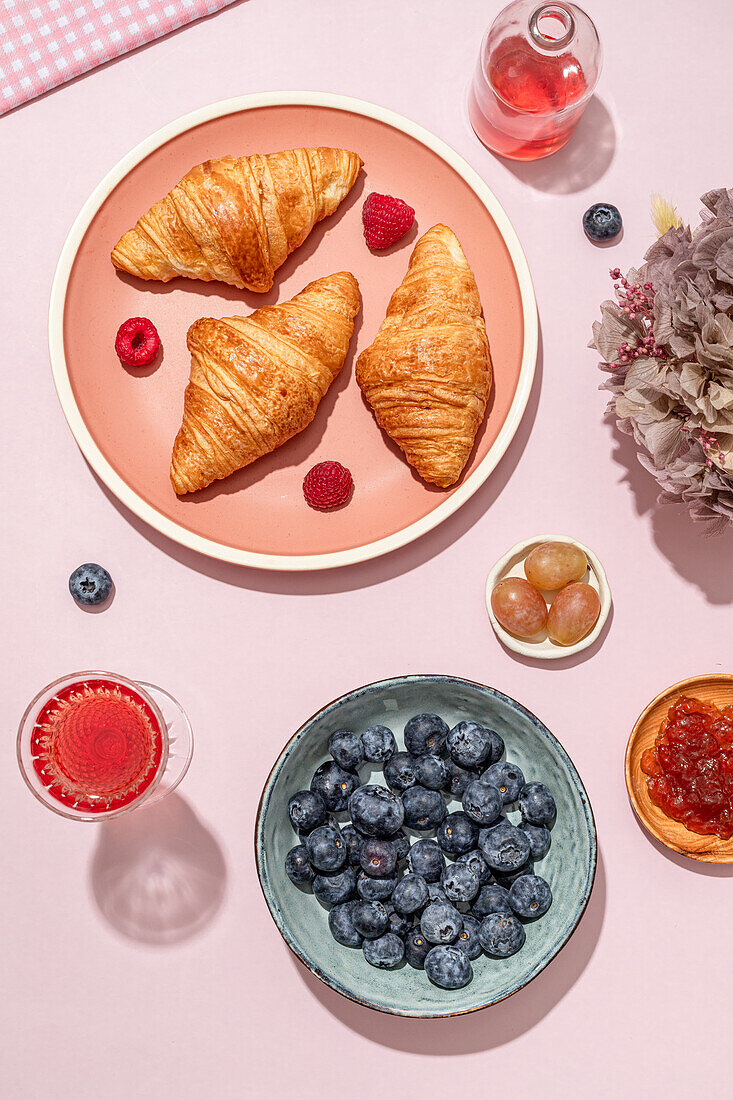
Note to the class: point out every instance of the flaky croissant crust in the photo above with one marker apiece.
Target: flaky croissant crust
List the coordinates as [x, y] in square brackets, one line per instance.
[257, 381]
[236, 219]
[428, 373]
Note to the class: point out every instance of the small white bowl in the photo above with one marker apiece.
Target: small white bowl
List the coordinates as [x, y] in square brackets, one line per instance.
[512, 565]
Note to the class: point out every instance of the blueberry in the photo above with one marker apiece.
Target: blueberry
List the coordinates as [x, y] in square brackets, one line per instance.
[482, 802]
[478, 865]
[306, 811]
[375, 889]
[378, 743]
[410, 895]
[401, 843]
[424, 809]
[497, 745]
[506, 878]
[90, 585]
[457, 779]
[346, 749]
[397, 923]
[507, 777]
[425, 733]
[335, 889]
[539, 839]
[469, 745]
[505, 848]
[460, 883]
[457, 834]
[448, 967]
[399, 771]
[386, 952]
[436, 892]
[431, 772]
[416, 948]
[530, 896]
[298, 867]
[426, 859]
[326, 849]
[441, 922]
[378, 857]
[602, 221]
[334, 785]
[468, 939]
[501, 935]
[491, 899]
[370, 918]
[342, 926]
[375, 811]
[353, 842]
[537, 804]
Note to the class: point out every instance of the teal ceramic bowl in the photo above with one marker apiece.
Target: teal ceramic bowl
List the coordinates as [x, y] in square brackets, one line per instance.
[569, 866]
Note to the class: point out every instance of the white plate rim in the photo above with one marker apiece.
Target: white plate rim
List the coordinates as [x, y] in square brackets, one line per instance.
[210, 547]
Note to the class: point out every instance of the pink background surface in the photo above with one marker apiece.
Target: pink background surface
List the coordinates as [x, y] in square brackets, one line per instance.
[638, 1003]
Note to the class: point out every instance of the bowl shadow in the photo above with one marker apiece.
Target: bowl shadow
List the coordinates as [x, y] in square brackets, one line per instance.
[158, 875]
[488, 1028]
[697, 866]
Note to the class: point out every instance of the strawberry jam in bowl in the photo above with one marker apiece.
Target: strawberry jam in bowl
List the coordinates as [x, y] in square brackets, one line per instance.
[689, 768]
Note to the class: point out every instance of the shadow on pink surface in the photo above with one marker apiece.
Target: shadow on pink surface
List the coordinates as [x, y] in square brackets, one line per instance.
[711, 870]
[158, 875]
[702, 559]
[367, 573]
[491, 1027]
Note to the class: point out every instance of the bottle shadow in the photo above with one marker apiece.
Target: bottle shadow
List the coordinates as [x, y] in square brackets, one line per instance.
[582, 162]
[158, 876]
[490, 1028]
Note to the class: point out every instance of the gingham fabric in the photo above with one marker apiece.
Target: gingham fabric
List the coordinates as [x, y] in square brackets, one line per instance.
[46, 42]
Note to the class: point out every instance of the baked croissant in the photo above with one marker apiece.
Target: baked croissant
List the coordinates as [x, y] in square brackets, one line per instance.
[236, 219]
[428, 375]
[257, 381]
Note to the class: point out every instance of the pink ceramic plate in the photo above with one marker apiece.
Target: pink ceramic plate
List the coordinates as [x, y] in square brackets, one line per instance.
[125, 421]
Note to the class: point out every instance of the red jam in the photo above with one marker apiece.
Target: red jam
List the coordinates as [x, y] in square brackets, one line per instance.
[690, 768]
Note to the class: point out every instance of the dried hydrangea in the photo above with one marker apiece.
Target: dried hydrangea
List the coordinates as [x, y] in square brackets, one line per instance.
[667, 345]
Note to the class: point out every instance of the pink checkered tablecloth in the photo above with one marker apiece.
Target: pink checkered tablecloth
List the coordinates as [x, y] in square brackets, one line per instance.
[46, 42]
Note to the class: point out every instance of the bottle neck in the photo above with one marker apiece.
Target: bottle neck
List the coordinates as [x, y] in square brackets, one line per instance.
[552, 26]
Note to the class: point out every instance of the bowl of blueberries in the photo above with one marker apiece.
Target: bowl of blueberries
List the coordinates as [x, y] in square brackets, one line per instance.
[425, 846]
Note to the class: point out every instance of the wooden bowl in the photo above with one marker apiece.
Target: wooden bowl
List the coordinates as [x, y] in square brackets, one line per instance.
[716, 687]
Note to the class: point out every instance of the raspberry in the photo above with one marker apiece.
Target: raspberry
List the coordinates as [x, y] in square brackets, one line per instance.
[386, 220]
[137, 342]
[327, 485]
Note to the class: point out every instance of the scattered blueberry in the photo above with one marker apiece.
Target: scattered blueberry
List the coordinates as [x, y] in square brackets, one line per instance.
[530, 896]
[342, 926]
[346, 749]
[334, 785]
[478, 865]
[505, 848]
[370, 919]
[602, 221]
[375, 811]
[441, 922]
[457, 834]
[430, 771]
[469, 745]
[378, 743]
[482, 802]
[468, 939]
[436, 892]
[424, 809]
[335, 889]
[426, 859]
[425, 733]
[378, 857]
[326, 849]
[386, 952]
[90, 585]
[448, 967]
[491, 899]
[306, 811]
[507, 777]
[375, 889]
[539, 839]
[501, 935]
[460, 883]
[416, 948]
[401, 843]
[399, 771]
[537, 804]
[410, 895]
[457, 779]
[298, 867]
